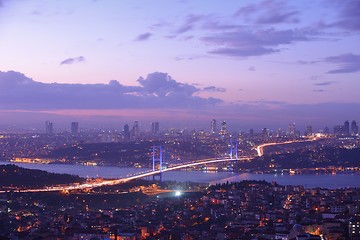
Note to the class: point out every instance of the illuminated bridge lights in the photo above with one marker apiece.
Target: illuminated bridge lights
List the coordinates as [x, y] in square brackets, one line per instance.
[77, 186]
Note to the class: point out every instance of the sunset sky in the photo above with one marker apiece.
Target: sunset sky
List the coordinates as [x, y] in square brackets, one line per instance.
[252, 63]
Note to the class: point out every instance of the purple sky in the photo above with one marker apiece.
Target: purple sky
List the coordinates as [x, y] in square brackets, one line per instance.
[252, 63]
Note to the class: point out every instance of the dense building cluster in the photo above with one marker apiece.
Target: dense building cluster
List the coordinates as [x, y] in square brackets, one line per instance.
[243, 210]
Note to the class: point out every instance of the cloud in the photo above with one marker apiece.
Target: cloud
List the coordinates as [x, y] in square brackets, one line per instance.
[324, 83]
[349, 17]
[273, 17]
[245, 42]
[189, 23]
[214, 89]
[268, 12]
[143, 37]
[346, 63]
[158, 96]
[306, 62]
[252, 68]
[161, 85]
[157, 90]
[72, 60]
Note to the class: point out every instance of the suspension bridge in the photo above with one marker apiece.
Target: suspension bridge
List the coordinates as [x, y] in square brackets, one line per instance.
[157, 160]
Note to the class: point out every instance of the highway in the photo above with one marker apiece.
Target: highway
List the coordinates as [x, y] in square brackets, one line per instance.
[260, 149]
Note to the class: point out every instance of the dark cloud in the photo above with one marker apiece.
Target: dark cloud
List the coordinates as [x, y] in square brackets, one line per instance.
[252, 68]
[157, 90]
[318, 90]
[306, 62]
[324, 83]
[346, 63]
[349, 17]
[272, 18]
[214, 89]
[189, 23]
[72, 60]
[143, 37]
[268, 12]
[244, 42]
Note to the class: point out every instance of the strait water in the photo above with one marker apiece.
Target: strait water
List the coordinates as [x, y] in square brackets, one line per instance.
[308, 180]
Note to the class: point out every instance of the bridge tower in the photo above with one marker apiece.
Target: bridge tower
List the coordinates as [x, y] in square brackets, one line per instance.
[157, 157]
[233, 149]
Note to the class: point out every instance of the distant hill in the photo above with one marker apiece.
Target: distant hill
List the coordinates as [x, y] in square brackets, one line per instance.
[12, 176]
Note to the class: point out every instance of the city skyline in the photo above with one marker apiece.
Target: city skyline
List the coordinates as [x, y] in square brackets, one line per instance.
[347, 128]
[252, 63]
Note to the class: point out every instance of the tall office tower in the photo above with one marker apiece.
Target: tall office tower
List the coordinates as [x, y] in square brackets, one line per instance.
[326, 130]
[75, 128]
[339, 130]
[265, 132]
[346, 127]
[309, 130]
[291, 129]
[354, 128]
[49, 127]
[136, 129]
[251, 133]
[223, 128]
[126, 132]
[213, 126]
[155, 128]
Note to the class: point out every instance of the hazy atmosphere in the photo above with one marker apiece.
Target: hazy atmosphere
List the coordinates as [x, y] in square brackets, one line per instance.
[252, 63]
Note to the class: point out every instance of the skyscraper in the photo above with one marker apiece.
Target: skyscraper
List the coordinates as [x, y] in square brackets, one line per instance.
[326, 130]
[354, 128]
[126, 131]
[251, 133]
[155, 128]
[291, 129]
[223, 128]
[49, 127]
[74, 128]
[309, 130]
[346, 128]
[136, 130]
[339, 130]
[213, 126]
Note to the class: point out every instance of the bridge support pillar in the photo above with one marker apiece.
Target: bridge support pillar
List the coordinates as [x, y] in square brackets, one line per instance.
[157, 157]
[233, 149]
